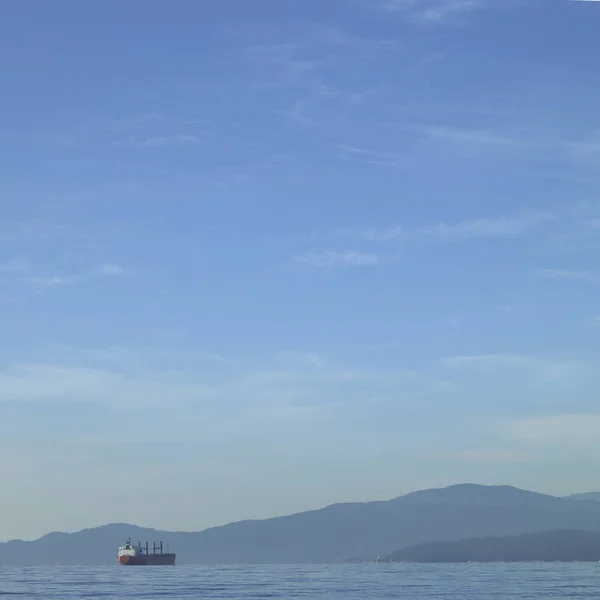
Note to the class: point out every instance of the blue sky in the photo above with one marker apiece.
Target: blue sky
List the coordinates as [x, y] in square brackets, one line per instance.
[259, 257]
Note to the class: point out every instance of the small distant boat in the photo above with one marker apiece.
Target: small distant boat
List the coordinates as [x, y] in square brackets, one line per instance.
[133, 553]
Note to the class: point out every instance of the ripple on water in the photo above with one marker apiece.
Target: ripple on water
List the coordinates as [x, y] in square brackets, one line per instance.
[530, 581]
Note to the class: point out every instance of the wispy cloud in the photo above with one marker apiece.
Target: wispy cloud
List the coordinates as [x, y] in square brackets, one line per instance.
[143, 131]
[429, 12]
[504, 308]
[111, 270]
[294, 389]
[313, 68]
[429, 139]
[538, 370]
[320, 49]
[68, 383]
[20, 274]
[386, 241]
[369, 157]
[332, 259]
[309, 110]
[76, 277]
[568, 431]
[150, 130]
[141, 122]
[53, 281]
[330, 109]
[14, 265]
[303, 387]
[573, 275]
[486, 362]
[155, 142]
[498, 227]
[30, 231]
[586, 151]
[440, 11]
[452, 231]
[310, 359]
[466, 136]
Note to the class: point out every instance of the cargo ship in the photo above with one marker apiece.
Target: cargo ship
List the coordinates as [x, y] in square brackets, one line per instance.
[133, 553]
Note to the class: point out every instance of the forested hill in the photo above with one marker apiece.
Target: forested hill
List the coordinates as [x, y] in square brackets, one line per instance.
[561, 545]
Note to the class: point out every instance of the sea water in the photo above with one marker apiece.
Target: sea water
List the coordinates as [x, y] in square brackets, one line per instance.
[332, 582]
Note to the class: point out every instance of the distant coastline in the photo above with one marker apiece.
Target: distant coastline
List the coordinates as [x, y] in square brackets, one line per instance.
[546, 546]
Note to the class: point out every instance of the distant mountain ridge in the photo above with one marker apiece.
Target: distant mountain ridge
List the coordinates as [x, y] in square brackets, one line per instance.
[480, 495]
[332, 533]
[564, 546]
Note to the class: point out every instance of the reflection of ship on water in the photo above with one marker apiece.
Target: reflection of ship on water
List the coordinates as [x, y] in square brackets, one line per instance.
[133, 553]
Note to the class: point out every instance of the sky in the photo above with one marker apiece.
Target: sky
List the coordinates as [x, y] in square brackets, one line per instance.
[260, 257]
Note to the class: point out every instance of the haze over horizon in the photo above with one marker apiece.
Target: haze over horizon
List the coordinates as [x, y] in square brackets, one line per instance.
[261, 257]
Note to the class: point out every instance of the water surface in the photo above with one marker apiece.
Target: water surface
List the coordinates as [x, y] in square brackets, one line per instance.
[333, 582]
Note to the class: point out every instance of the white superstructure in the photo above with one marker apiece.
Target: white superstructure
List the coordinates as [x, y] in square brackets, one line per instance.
[128, 549]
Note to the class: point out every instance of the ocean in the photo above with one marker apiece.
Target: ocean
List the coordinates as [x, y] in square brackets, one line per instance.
[332, 582]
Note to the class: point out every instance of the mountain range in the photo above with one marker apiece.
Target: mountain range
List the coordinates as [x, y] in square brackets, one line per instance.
[333, 533]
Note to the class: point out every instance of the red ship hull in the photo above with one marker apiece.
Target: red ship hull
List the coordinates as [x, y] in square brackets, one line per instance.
[147, 559]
